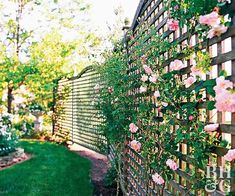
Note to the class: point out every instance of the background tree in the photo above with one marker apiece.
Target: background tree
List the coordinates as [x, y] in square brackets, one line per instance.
[41, 40]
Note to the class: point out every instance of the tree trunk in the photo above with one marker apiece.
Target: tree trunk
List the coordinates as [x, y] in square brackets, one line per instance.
[9, 99]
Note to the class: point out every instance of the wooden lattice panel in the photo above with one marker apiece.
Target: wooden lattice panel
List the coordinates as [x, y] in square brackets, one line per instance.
[79, 117]
[151, 13]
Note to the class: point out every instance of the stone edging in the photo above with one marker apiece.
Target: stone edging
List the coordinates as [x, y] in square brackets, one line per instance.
[13, 158]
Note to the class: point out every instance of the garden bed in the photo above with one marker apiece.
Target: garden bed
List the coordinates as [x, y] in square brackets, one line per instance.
[12, 158]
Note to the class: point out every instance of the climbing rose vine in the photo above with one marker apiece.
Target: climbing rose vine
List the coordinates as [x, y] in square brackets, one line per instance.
[156, 109]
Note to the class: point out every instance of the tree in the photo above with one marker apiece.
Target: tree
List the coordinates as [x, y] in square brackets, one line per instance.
[28, 58]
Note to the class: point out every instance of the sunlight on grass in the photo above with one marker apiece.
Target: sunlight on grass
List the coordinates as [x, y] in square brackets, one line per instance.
[52, 170]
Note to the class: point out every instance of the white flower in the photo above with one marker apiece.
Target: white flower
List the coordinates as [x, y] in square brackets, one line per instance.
[143, 89]
[156, 94]
[144, 78]
[164, 104]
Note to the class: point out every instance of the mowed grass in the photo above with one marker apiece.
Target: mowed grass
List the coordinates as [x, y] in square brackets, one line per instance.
[52, 171]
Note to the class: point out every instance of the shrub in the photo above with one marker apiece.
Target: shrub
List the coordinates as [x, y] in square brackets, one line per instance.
[8, 135]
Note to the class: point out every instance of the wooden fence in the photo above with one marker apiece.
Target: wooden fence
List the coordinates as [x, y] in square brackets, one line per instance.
[76, 115]
[222, 51]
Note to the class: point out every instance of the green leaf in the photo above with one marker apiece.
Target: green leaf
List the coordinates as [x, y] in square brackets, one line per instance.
[223, 73]
[209, 83]
[211, 105]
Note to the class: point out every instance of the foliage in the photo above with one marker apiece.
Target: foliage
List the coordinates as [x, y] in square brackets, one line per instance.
[35, 107]
[35, 59]
[25, 127]
[167, 120]
[45, 174]
[8, 136]
[110, 179]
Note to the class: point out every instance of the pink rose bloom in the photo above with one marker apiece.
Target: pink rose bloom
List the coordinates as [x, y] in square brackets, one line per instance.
[177, 65]
[153, 78]
[156, 94]
[158, 179]
[110, 89]
[196, 71]
[143, 89]
[147, 69]
[144, 78]
[135, 145]
[172, 164]
[222, 84]
[230, 156]
[210, 19]
[189, 81]
[133, 128]
[225, 101]
[176, 7]
[173, 25]
[211, 127]
[97, 88]
[217, 30]
[190, 118]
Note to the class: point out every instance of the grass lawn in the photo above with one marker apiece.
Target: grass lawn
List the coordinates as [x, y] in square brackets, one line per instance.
[52, 171]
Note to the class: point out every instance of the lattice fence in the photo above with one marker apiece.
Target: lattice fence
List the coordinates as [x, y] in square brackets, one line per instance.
[76, 114]
[222, 50]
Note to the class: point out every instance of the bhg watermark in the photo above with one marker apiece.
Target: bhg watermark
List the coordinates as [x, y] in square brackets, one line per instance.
[218, 178]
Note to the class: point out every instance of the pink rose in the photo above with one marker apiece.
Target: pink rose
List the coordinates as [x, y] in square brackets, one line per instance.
[158, 179]
[110, 89]
[217, 30]
[177, 65]
[172, 164]
[156, 94]
[143, 89]
[176, 7]
[211, 127]
[164, 104]
[230, 156]
[144, 78]
[189, 81]
[191, 118]
[133, 128]
[153, 78]
[147, 69]
[222, 84]
[196, 71]
[210, 19]
[135, 145]
[225, 101]
[173, 25]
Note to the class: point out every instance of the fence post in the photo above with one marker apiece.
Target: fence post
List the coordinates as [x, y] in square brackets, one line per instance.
[72, 107]
[125, 159]
[55, 87]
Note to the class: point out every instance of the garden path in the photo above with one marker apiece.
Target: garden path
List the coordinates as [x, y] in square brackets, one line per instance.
[100, 166]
